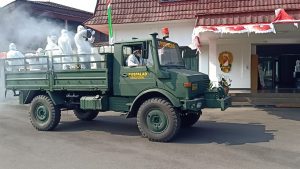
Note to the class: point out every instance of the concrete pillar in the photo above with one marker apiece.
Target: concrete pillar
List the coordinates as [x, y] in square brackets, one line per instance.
[213, 61]
[203, 59]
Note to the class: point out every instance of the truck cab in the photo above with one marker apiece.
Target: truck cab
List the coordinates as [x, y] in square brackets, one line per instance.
[160, 92]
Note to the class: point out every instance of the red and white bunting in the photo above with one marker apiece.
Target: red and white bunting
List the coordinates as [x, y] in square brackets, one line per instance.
[280, 17]
[234, 29]
[255, 28]
[201, 29]
[261, 28]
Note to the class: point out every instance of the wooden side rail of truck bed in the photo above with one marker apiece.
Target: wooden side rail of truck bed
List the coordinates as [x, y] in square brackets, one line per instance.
[76, 72]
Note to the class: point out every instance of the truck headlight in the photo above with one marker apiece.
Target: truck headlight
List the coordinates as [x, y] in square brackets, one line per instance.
[199, 105]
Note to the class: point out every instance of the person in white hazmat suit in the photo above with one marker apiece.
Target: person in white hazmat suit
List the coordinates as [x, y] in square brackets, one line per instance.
[42, 59]
[35, 61]
[52, 49]
[134, 59]
[17, 56]
[83, 39]
[64, 42]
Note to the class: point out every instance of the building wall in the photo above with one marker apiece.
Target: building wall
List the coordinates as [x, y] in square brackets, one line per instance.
[180, 32]
[240, 45]
[240, 73]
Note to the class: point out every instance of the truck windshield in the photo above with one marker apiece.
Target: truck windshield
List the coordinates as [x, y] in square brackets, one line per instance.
[169, 54]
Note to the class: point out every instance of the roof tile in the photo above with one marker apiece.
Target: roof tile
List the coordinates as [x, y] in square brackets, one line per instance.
[209, 12]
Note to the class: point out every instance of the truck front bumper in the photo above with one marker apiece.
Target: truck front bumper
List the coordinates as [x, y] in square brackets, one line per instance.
[199, 103]
[223, 103]
[217, 98]
[194, 105]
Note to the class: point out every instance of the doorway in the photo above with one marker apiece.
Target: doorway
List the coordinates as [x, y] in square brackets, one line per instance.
[276, 65]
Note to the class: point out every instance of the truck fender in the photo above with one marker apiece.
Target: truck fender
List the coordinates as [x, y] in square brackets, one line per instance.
[150, 93]
[26, 96]
[56, 98]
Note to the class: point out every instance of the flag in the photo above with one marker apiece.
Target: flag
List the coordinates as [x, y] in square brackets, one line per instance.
[109, 19]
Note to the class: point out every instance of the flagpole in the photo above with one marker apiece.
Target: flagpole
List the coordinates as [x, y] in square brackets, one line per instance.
[109, 20]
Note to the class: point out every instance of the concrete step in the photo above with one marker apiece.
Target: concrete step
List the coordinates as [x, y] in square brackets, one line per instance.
[266, 104]
[267, 95]
[240, 99]
[266, 99]
[241, 104]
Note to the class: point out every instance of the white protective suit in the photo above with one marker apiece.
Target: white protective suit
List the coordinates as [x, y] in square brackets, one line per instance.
[42, 60]
[83, 44]
[64, 42]
[14, 53]
[40, 52]
[132, 60]
[34, 61]
[135, 59]
[52, 49]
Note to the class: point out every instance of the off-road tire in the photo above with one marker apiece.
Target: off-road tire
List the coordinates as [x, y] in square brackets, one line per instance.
[85, 115]
[51, 116]
[189, 119]
[170, 114]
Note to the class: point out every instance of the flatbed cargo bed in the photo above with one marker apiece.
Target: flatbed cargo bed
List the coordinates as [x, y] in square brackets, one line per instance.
[48, 79]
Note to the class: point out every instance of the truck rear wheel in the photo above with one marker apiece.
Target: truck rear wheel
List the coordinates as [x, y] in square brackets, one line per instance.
[43, 114]
[158, 120]
[189, 119]
[85, 115]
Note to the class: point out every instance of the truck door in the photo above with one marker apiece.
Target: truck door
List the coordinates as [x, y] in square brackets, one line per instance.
[135, 79]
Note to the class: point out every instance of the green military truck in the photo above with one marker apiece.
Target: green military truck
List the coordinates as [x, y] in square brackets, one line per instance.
[161, 93]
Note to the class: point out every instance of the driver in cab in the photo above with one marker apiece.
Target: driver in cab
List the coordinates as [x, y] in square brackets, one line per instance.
[134, 59]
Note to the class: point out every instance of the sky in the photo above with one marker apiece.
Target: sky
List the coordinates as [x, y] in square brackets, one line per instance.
[87, 5]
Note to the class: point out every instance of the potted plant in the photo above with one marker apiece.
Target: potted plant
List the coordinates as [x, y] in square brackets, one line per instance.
[225, 82]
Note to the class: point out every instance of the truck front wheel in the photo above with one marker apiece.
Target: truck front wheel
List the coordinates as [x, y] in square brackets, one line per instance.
[158, 120]
[85, 115]
[189, 118]
[43, 114]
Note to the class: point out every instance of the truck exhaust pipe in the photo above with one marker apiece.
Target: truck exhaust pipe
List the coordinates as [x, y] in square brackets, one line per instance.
[154, 35]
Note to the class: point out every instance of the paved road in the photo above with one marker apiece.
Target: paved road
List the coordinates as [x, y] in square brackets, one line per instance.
[239, 138]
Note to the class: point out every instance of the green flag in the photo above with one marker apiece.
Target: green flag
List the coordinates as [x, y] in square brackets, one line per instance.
[109, 18]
